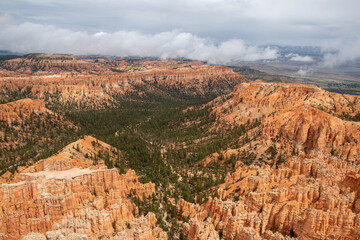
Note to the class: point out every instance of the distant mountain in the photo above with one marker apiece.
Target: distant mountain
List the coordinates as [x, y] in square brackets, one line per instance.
[48, 63]
[301, 50]
[6, 55]
[304, 64]
[5, 52]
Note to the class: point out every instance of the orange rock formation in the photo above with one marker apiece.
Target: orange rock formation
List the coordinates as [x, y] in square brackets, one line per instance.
[66, 194]
[18, 110]
[313, 194]
[310, 198]
[45, 63]
[96, 90]
[304, 117]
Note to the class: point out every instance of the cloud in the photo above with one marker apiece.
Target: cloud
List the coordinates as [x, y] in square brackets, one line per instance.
[31, 37]
[301, 22]
[341, 51]
[303, 71]
[299, 58]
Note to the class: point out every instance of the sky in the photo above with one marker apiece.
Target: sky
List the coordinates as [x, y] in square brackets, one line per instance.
[217, 31]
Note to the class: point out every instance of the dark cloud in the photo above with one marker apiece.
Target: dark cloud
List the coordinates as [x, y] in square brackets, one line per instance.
[323, 23]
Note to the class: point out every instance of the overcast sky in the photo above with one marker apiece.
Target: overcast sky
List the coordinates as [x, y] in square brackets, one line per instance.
[214, 30]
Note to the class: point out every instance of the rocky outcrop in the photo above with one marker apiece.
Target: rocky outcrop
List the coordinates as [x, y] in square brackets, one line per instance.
[83, 153]
[307, 198]
[17, 111]
[312, 129]
[310, 189]
[200, 231]
[299, 118]
[67, 194]
[260, 99]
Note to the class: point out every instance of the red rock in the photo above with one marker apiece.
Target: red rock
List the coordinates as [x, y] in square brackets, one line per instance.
[302, 118]
[18, 110]
[89, 90]
[67, 193]
[314, 193]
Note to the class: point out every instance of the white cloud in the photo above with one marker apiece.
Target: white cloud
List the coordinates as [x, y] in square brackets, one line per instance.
[341, 51]
[303, 71]
[299, 58]
[30, 37]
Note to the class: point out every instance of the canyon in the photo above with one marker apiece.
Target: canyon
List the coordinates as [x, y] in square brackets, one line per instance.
[230, 159]
[97, 85]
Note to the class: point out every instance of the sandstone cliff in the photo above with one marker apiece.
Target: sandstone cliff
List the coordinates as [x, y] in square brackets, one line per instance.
[166, 79]
[295, 117]
[67, 194]
[46, 63]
